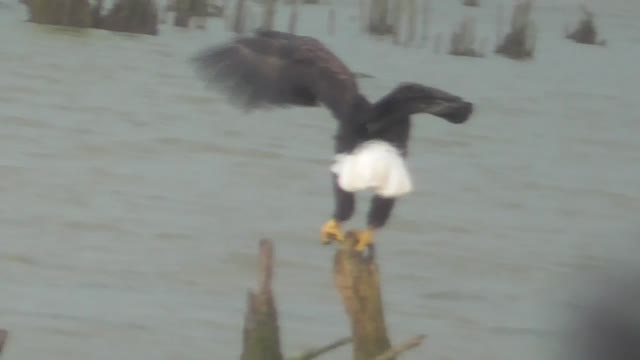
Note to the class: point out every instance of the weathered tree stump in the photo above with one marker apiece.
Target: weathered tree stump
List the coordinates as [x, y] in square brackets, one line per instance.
[380, 22]
[586, 31]
[269, 14]
[293, 16]
[132, 16]
[186, 9]
[3, 339]
[463, 39]
[75, 13]
[357, 279]
[239, 21]
[261, 331]
[519, 43]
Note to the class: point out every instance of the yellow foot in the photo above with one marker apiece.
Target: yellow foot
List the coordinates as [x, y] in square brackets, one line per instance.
[331, 231]
[365, 239]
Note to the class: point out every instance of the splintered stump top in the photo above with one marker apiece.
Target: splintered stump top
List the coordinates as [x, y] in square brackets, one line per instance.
[357, 280]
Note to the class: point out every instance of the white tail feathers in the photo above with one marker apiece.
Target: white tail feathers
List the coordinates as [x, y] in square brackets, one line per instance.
[375, 165]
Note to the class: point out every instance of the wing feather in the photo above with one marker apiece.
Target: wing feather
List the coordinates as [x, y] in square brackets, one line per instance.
[272, 68]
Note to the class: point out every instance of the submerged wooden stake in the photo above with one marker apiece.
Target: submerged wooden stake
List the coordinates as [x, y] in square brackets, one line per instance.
[357, 279]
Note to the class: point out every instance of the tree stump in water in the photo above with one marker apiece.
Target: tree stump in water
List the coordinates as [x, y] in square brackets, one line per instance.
[585, 32]
[520, 42]
[356, 279]
[261, 337]
[3, 339]
[76, 13]
[132, 16]
[269, 14]
[379, 22]
[186, 9]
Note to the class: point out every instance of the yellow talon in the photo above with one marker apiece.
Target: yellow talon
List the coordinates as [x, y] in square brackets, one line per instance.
[365, 239]
[332, 231]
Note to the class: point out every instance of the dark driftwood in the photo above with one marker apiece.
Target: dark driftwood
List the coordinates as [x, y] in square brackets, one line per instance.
[3, 338]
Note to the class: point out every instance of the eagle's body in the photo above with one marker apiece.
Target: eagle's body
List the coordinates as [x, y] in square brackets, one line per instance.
[272, 68]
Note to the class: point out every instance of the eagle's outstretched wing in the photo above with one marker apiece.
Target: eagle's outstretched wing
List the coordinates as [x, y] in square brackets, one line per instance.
[272, 68]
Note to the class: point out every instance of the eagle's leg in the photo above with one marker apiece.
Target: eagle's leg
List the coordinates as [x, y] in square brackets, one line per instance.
[379, 213]
[344, 208]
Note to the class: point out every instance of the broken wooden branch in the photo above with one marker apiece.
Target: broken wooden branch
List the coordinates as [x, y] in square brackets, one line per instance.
[395, 351]
[314, 353]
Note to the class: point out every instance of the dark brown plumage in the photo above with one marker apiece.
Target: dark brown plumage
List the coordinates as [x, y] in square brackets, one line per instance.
[271, 68]
[274, 68]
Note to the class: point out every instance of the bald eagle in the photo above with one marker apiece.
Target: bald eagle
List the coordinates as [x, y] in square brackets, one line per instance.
[268, 69]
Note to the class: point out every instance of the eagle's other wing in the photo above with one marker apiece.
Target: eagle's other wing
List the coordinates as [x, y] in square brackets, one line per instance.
[272, 68]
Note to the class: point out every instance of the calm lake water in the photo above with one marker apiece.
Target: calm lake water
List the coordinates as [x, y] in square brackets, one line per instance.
[133, 198]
